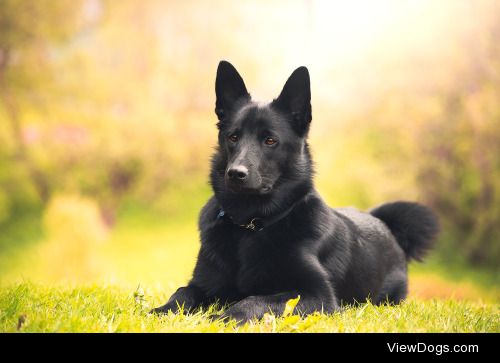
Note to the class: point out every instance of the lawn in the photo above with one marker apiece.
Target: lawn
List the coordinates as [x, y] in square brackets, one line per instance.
[110, 286]
[34, 308]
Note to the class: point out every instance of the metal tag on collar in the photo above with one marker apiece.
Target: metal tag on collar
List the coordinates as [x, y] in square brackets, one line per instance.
[254, 225]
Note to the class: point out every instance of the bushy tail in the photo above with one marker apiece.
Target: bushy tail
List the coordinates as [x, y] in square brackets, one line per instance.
[413, 225]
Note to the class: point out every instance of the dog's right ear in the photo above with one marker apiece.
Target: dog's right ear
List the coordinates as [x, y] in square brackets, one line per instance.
[229, 89]
[295, 98]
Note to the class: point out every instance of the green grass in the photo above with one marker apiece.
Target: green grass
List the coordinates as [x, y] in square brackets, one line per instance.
[28, 307]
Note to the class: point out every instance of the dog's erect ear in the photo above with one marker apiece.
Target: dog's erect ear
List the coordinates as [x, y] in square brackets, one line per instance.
[229, 89]
[295, 98]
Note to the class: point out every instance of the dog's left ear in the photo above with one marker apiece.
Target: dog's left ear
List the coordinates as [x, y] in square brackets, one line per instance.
[295, 98]
[229, 90]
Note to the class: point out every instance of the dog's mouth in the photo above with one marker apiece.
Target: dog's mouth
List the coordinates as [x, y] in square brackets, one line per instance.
[242, 189]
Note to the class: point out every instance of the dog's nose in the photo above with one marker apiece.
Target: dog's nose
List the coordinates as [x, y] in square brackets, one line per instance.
[238, 172]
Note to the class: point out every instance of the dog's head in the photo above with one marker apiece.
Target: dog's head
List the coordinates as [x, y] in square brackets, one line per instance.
[261, 146]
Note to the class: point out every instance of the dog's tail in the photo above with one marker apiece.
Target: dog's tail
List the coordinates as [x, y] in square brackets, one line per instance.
[413, 225]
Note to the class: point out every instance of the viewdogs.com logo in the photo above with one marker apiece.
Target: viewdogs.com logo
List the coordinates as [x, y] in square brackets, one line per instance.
[437, 349]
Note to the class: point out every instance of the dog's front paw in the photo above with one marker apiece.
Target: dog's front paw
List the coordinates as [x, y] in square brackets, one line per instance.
[173, 307]
[241, 312]
[240, 316]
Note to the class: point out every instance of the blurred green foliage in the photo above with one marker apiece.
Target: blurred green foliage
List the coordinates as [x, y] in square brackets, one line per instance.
[106, 108]
[448, 140]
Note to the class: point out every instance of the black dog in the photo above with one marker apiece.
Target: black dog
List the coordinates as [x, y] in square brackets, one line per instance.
[266, 234]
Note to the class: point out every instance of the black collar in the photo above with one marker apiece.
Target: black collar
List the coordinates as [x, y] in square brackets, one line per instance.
[257, 224]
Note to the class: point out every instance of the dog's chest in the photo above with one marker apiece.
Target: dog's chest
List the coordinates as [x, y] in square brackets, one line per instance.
[263, 267]
[252, 262]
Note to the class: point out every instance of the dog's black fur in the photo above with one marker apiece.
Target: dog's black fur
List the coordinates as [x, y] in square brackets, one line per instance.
[263, 169]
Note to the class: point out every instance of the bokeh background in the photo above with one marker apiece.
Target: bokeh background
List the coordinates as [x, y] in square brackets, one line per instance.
[107, 126]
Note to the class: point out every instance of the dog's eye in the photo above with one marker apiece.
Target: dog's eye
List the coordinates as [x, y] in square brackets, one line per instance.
[233, 137]
[270, 140]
